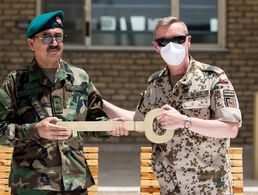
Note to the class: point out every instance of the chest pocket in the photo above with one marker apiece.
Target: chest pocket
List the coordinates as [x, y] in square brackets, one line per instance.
[76, 101]
[199, 103]
[197, 100]
[29, 108]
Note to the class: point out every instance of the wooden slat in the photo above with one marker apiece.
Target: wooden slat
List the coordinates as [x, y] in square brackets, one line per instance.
[5, 162]
[5, 156]
[237, 176]
[90, 153]
[150, 190]
[93, 193]
[145, 156]
[235, 156]
[142, 193]
[4, 181]
[6, 149]
[146, 149]
[5, 169]
[238, 183]
[238, 190]
[145, 163]
[235, 150]
[4, 188]
[146, 169]
[150, 185]
[148, 193]
[5, 175]
[236, 163]
[91, 156]
[236, 170]
[148, 176]
[5, 192]
[90, 149]
[92, 162]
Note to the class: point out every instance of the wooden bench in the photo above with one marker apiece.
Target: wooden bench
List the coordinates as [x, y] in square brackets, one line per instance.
[90, 153]
[150, 185]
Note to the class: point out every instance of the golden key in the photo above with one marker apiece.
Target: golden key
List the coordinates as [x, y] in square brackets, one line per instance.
[139, 126]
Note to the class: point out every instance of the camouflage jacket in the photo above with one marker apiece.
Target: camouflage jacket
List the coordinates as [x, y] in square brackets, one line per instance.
[30, 97]
[203, 92]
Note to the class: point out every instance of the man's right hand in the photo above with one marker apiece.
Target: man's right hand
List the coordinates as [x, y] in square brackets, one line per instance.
[48, 130]
[120, 130]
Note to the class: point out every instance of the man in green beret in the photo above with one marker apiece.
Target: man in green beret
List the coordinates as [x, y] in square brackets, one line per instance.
[47, 160]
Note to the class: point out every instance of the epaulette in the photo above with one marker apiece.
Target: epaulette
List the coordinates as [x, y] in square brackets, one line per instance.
[66, 63]
[68, 66]
[20, 70]
[157, 75]
[209, 68]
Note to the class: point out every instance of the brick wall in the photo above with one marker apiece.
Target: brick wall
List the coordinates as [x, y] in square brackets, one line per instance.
[122, 75]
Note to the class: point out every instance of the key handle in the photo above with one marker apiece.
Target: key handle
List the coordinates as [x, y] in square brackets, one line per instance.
[149, 131]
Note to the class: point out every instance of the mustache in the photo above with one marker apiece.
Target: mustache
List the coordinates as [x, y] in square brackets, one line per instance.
[53, 47]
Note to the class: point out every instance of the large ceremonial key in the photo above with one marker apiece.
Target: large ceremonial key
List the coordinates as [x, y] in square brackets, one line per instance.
[139, 126]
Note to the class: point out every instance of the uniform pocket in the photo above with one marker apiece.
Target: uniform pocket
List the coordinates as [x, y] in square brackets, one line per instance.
[195, 104]
[73, 143]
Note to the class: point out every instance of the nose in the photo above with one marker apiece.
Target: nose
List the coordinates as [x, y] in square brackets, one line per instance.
[54, 41]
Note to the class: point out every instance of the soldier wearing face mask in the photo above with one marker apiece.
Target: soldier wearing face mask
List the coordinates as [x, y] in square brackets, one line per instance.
[200, 105]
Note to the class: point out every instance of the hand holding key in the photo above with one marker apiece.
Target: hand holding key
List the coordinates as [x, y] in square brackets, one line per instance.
[139, 126]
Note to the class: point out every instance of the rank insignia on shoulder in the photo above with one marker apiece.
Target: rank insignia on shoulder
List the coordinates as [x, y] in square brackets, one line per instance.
[229, 98]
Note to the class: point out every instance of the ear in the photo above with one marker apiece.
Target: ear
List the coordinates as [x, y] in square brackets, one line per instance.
[189, 39]
[156, 47]
[30, 43]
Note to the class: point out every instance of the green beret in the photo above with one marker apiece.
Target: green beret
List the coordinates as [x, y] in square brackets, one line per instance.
[45, 21]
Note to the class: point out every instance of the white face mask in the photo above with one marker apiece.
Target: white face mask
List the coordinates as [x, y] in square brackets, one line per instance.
[173, 54]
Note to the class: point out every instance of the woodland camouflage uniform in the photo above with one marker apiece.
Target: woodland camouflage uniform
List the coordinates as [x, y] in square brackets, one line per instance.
[191, 163]
[30, 97]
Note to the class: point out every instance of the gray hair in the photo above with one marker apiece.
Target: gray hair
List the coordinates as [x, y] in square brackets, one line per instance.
[167, 21]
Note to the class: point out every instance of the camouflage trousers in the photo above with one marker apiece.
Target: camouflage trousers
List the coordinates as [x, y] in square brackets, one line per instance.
[173, 188]
[26, 191]
[187, 183]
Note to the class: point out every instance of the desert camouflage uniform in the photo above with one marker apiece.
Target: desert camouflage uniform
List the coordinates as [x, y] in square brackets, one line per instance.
[191, 163]
[30, 97]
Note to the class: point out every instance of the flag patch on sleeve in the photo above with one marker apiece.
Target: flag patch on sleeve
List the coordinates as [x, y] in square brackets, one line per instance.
[230, 98]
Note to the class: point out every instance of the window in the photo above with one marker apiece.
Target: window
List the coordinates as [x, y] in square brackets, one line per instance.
[130, 23]
[206, 21]
[126, 22]
[201, 19]
[74, 18]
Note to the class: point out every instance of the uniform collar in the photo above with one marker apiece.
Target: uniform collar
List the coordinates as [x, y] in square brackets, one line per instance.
[35, 72]
[189, 72]
[187, 75]
[163, 80]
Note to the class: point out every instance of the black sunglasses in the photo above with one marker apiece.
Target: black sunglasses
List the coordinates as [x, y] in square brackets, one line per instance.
[49, 39]
[162, 42]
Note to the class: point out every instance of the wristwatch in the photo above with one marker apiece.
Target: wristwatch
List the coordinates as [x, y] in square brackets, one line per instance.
[188, 123]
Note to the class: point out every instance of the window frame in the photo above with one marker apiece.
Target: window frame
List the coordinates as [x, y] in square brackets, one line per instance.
[175, 9]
